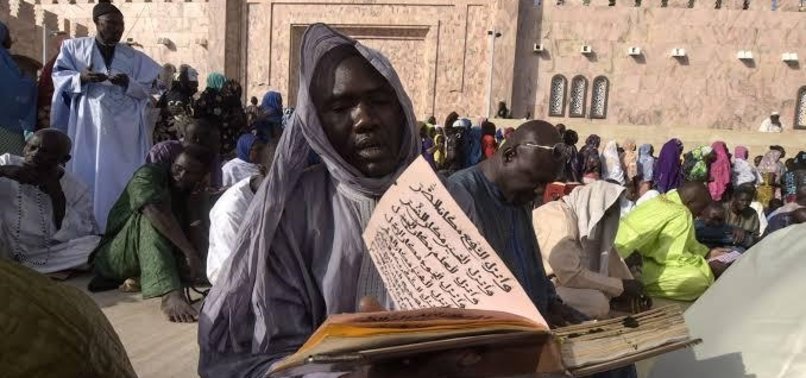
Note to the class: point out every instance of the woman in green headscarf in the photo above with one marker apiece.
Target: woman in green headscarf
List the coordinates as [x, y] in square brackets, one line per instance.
[696, 163]
[216, 81]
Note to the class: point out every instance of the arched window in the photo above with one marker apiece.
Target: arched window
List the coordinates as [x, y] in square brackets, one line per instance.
[601, 90]
[559, 85]
[800, 109]
[578, 98]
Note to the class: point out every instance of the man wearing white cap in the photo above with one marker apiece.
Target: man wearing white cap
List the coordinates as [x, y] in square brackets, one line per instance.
[772, 124]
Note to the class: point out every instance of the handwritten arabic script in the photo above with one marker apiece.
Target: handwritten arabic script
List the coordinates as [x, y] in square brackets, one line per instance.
[430, 254]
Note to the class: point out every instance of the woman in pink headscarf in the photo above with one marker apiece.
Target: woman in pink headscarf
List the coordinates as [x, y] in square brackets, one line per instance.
[720, 171]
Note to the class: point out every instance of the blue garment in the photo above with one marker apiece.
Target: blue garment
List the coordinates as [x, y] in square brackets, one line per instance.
[244, 147]
[108, 124]
[714, 236]
[272, 106]
[17, 93]
[270, 123]
[473, 143]
[508, 229]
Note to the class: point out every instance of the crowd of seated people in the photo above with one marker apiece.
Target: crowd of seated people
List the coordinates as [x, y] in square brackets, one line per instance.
[268, 207]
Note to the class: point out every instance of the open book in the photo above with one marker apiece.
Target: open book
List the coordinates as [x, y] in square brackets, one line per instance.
[454, 298]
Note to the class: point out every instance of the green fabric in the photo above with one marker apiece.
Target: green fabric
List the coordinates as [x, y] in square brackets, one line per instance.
[662, 231]
[11, 142]
[699, 168]
[216, 80]
[50, 329]
[132, 246]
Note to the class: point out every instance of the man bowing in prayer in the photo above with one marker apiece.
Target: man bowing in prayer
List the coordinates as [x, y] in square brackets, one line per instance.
[662, 232]
[300, 256]
[576, 237]
[46, 220]
[109, 86]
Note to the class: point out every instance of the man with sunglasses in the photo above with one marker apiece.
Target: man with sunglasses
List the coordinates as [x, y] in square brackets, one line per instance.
[503, 188]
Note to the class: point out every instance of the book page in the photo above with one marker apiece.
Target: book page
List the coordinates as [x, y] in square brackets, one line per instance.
[727, 258]
[429, 253]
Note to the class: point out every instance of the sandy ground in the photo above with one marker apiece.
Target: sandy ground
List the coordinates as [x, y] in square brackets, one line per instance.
[156, 347]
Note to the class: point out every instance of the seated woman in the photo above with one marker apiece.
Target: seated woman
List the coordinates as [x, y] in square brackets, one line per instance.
[151, 233]
[247, 163]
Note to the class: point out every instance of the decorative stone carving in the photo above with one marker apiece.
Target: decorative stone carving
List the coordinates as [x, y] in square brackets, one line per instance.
[800, 109]
[578, 97]
[559, 86]
[601, 89]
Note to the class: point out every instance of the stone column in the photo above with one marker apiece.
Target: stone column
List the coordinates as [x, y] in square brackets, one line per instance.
[505, 21]
[224, 37]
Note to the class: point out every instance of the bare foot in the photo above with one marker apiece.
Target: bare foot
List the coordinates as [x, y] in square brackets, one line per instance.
[131, 285]
[177, 309]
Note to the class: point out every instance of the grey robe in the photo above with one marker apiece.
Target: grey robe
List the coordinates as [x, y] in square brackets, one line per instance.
[300, 254]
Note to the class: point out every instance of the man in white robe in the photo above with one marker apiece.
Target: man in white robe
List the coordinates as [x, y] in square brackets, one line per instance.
[104, 88]
[225, 222]
[46, 220]
[772, 124]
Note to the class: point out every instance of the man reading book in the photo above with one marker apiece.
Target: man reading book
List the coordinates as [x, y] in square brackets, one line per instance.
[300, 256]
[503, 188]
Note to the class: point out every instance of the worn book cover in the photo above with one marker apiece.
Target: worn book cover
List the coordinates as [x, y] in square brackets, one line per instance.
[453, 295]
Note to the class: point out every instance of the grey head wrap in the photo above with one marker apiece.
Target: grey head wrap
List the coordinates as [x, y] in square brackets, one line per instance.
[236, 316]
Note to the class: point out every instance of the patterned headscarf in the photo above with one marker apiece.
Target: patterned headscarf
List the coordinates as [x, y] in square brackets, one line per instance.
[629, 159]
[770, 163]
[697, 164]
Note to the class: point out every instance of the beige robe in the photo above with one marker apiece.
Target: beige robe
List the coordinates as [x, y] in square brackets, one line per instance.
[576, 238]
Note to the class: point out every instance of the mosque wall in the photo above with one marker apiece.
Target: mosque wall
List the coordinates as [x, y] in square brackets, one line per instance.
[168, 31]
[442, 52]
[25, 23]
[439, 47]
[708, 88]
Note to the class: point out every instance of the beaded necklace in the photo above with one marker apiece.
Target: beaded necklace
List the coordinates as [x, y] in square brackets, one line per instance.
[19, 254]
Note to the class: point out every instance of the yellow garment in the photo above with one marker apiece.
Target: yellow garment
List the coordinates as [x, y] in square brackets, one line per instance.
[439, 151]
[54, 330]
[662, 231]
